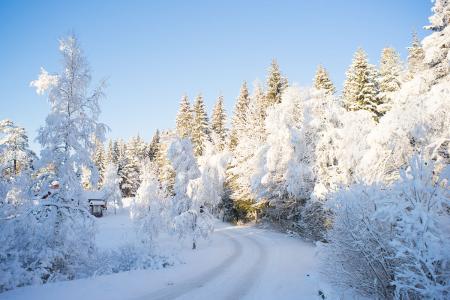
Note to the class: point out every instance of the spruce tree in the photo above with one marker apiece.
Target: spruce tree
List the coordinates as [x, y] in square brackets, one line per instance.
[441, 15]
[166, 174]
[100, 161]
[15, 155]
[131, 168]
[416, 57]
[239, 116]
[184, 119]
[154, 146]
[200, 130]
[361, 90]
[218, 121]
[390, 72]
[322, 81]
[276, 84]
[438, 61]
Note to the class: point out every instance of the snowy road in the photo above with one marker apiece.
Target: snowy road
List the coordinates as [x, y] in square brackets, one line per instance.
[231, 279]
[239, 263]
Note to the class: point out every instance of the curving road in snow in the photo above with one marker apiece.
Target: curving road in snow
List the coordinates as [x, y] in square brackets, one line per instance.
[240, 262]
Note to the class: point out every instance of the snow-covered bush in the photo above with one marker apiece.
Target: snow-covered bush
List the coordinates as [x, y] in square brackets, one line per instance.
[390, 241]
[417, 211]
[41, 246]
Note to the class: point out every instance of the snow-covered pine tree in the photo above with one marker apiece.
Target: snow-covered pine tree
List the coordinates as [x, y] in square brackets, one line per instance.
[154, 146]
[323, 82]
[283, 175]
[275, 83]
[120, 148]
[200, 126]
[189, 217]
[135, 153]
[218, 122]
[238, 197]
[239, 118]
[441, 16]
[390, 76]
[437, 56]
[166, 174]
[60, 241]
[111, 187]
[416, 57]
[15, 154]
[109, 152]
[184, 118]
[361, 89]
[100, 161]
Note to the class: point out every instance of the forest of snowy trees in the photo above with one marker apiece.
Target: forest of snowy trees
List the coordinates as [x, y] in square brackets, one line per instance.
[363, 172]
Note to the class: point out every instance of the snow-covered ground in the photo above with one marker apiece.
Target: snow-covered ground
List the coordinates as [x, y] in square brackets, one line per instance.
[238, 262]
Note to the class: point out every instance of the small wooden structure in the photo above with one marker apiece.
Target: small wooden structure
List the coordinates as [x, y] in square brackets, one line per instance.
[97, 202]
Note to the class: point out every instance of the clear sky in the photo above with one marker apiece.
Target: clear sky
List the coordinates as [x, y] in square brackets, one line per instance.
[152, 52]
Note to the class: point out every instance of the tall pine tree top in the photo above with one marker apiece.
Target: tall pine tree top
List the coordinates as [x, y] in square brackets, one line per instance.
[200, 130]
[239, 115]
[184, 118]
[276, 84]
[416, 56]
[218, 121]
[390, 72]
[361, 85]
[154, 146]
[322, 81]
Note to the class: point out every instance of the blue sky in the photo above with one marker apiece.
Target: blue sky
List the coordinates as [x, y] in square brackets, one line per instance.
[152, 52]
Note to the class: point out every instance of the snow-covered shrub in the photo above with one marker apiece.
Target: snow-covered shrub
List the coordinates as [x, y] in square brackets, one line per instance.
[313, 220]
[417, 211]
[49, 242]
[389, 241]
[358, 249]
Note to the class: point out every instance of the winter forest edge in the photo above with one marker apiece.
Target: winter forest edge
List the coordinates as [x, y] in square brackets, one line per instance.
[363, 174]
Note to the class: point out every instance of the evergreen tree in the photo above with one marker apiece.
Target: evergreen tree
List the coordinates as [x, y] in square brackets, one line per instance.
[200, 130]
[323, 82]
[121, 163]
[361, 90]
[184, 119]
[166, 174]
[239, 116]
[416, 57]
[218, 121]
[15, 155]
[390, 71]
[154, 146]
[276, 84]
[100, 161]
[111, 187]
[441, 15]
[439, 21]
[135, 154]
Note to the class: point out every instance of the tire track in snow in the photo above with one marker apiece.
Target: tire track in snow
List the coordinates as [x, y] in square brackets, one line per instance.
[177, 290]
[252, 274]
